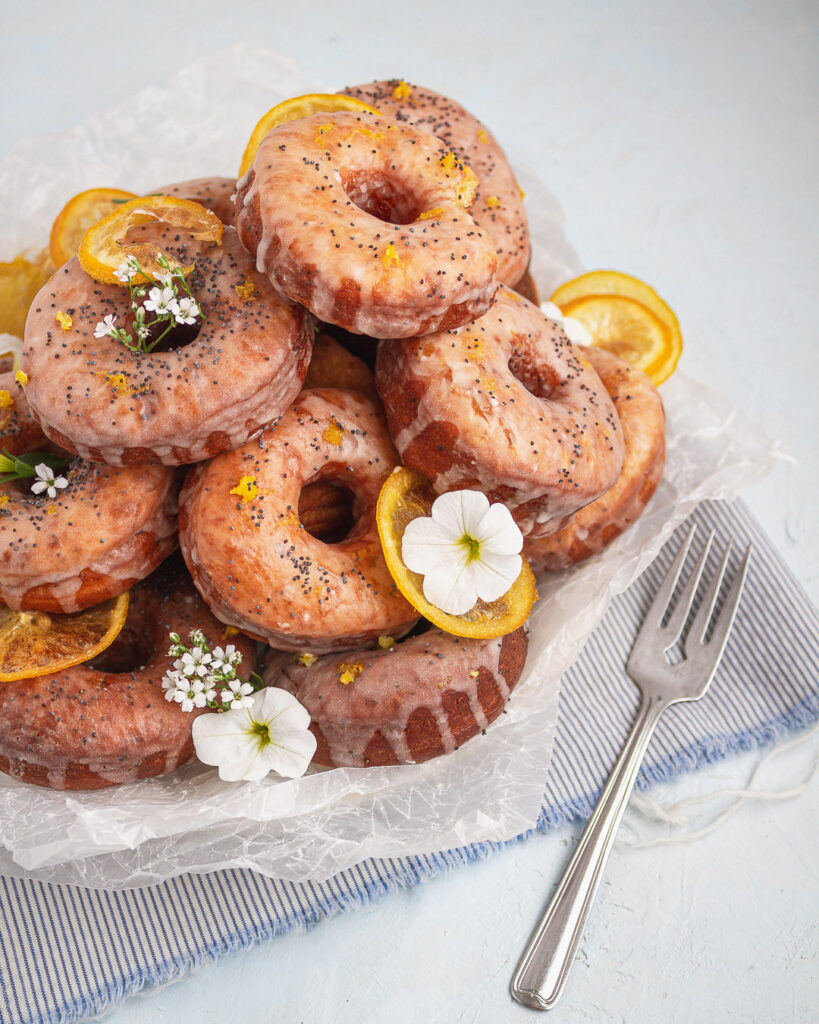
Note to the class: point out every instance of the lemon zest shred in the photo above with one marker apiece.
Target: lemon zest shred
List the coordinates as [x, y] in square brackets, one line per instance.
[521, 192]
[246, 489]
[401, 91]
[490, 384]
[429, 214]
[348, 671]
[482, 136]
[246, 290]
[4, 500]
[473, 674]
[492, 202]
[6, 401]
[386, 642]
[21, 377]
[323, 130]
[120, 384]
[391, 257]
[52, 510]
[448, 161]
[305, 658]
[333, 433]
[368, 133]
[228, 632]
[64, 320]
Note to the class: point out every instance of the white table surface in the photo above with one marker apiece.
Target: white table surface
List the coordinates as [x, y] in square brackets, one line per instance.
[681, 141]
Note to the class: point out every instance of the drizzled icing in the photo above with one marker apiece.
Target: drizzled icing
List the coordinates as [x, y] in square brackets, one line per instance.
[498, 206]
[544, 439]
[96, 398]
[642, 417]
[335, 222]
[429, 673]
[254, 562]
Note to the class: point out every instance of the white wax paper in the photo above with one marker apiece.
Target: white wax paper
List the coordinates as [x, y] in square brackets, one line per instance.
[491, 788]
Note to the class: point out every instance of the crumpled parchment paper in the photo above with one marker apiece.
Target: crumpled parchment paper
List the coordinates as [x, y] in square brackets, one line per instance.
[312, 827]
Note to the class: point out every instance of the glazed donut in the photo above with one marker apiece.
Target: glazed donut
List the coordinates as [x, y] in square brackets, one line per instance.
[417, 700]
[106, 722]
[498, 206]
[255, 563]
[366, 223]
[215, 193]
[642, 418]
[107, 529]
[94, 397]
[507, 406]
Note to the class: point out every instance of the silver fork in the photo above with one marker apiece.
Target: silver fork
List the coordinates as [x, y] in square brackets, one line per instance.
[547, 959]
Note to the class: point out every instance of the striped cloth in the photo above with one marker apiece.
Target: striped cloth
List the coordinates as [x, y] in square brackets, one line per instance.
[68, 953]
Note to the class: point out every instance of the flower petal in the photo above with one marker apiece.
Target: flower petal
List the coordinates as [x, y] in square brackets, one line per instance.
[493, 576]
[499, 532]
[426, 543]
[454, 594]
[576, 332]
[460, 511]
[290, 753]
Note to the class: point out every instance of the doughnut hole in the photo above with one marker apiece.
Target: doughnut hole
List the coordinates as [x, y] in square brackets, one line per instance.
[131, 651]
[388, 199]
[327, 510]
[539, 379]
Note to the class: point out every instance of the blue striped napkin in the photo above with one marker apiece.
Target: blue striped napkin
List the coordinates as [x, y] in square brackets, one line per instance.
[67, 953]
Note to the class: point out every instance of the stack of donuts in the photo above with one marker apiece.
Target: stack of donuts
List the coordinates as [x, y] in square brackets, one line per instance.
[369, 306]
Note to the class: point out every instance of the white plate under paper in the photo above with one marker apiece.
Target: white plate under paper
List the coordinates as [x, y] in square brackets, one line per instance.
[490, 789]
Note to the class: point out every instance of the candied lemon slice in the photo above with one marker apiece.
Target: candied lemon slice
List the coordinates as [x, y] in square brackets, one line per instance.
[104, 246]
[405, 496]
[293, 110]
[20, 280]
[38, 643]
[626, 316]
[78, 215]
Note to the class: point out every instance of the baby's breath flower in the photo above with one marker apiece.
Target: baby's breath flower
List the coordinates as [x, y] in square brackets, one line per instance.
[185, 310]
[237, 694]
[47, 481]
[127, 269]
[160, 301]
[106, 327]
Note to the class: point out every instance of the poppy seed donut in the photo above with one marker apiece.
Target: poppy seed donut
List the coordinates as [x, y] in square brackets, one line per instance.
[366, 224]
[253, 560]
[104, 402]
[508, 406]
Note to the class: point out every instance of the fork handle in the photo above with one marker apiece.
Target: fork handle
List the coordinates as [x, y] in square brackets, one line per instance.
[547, 959]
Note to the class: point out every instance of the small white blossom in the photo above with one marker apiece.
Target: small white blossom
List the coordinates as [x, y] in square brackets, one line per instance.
[237, 694]
[225, 660]
[127, 269]
[188, 693]
[163, 278]
[160, 301]
[106, 327]
[573, 329]
[185, 310]
[195, 662]
[271, 734]
[466, 549]
[46, 481]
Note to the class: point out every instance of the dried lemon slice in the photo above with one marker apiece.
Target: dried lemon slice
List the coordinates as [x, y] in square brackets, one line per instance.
[627, 317]
[77, 216]
[38, 643]
[293, 110]
[20, 280]
[405, 496]
[104, 246]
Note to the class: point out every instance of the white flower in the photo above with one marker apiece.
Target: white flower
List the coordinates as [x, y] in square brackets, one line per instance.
[195, 662]
[465, 549]
[47, 481]
[105, 328]
[237, 694]
[163, 278]
[270, 735]
[185, 310]
[126, 270]
[225, 660]
[188, 693]
[574, 330]
[161, 301]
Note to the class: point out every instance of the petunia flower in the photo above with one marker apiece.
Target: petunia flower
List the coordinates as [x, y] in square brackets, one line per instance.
[573, 329]
[465, 550]
[271, 735]
[46, 481]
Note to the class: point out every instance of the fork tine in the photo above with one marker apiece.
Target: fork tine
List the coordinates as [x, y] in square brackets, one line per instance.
[656, 611]
[678, 618]
[719, 638]
[699, 625]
